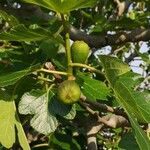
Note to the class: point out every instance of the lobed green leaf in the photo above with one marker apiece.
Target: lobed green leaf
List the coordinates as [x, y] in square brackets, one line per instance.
[36, 103]
[134, 103]
[8, 122]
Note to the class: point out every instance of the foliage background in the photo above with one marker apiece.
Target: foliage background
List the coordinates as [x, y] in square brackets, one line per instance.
[34, 45]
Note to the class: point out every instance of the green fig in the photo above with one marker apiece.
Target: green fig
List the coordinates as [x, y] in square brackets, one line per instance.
[80, 51]
[69, 92]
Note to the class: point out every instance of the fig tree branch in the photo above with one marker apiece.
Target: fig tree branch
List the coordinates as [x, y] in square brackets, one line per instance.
[119, 38]
[102, 107]
[97, 41]
[93, 127]
[112, 120]
[106, 108]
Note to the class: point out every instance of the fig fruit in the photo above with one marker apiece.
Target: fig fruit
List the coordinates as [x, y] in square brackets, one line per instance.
[69, 92]
[80, 51]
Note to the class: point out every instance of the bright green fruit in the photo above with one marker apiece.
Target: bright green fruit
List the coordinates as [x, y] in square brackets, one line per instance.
[69, 92]
[80, 51]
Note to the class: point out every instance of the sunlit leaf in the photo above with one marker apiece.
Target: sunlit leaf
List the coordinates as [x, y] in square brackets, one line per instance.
[7, 123]
[113, 68]
[21, 135]
[139, 102]
[36, 103]
[12, 78]
[63, 6]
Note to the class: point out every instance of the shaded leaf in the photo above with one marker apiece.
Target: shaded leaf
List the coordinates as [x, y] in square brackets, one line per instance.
[21, 33]
[140, 135]
[128, 142]
[64, 141]
[63, 6]
[9, 18]
[66, 111]
[12, 78]
[94, 89]
[50, 48]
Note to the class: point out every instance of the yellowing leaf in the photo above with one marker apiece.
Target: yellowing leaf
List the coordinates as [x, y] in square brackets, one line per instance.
[7, 120]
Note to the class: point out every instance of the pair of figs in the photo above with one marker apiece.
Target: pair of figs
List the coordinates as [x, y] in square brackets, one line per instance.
[69, 91]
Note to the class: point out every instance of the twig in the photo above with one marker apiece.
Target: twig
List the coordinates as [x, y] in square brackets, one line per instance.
[45, 79]
[53, 72]
[93, 129]
[86, 66]
[40, 145]
[50, 66]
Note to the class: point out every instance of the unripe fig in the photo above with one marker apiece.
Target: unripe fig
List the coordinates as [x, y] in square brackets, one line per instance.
[80, 51]
[69, 92]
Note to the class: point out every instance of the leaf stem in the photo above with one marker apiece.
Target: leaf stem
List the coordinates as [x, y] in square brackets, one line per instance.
[45, 79]
[86, 66]
[41, 145]
[53, 72]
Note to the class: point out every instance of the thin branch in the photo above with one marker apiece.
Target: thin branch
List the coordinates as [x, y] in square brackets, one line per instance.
[40, 145]
[50, 66]
[53, 72]
[45, 79]
[86, 66]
